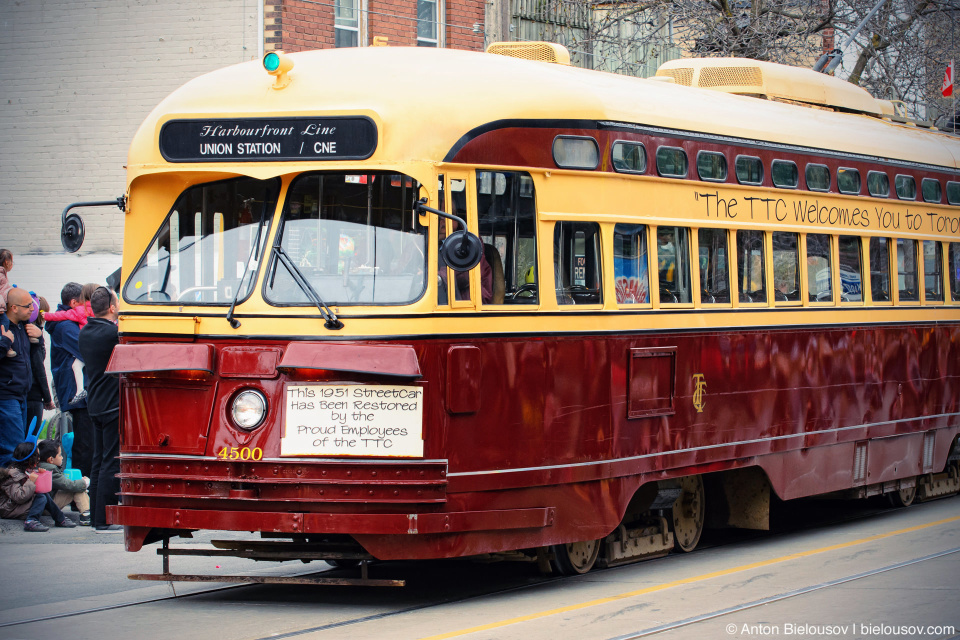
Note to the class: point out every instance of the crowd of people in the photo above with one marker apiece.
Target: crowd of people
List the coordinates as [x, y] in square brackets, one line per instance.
[82, 333]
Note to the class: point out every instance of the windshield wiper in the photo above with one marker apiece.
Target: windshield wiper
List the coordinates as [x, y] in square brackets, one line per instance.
[254, 250]
[332, 322]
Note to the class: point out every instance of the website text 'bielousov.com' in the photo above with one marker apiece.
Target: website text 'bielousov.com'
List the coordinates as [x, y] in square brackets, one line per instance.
[848, 629]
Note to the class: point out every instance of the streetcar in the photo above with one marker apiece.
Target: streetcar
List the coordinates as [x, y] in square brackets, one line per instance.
[403, 303]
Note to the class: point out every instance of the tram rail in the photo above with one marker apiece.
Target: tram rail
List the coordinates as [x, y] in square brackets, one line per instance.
[781, 596]
[866, 511]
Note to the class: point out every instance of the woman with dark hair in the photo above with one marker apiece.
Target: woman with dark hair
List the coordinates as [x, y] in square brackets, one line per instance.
[18, 492]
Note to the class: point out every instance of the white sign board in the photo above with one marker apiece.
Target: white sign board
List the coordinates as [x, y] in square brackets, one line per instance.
[353, 420]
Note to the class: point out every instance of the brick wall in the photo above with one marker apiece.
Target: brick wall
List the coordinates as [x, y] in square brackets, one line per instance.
[394, 19]
[461, 16]
[78, 78]
[295, 25]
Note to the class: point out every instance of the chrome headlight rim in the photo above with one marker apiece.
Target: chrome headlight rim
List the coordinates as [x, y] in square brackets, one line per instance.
[248, 409]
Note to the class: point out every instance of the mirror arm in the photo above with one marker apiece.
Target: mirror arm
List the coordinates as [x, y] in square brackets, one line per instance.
[71, 226]
[120, 203]
[421, 207]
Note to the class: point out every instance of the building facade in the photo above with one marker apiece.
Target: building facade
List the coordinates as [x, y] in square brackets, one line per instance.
[296, 25]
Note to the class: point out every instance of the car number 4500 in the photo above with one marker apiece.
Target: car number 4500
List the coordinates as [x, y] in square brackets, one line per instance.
[240, 453]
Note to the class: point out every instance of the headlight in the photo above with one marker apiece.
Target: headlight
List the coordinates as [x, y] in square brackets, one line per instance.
[249, 409]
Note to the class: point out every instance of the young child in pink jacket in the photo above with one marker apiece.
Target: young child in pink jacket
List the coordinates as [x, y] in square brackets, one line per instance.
[78, 314]
[6, 264]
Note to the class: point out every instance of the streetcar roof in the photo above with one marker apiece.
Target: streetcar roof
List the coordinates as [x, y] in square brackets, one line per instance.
[424, 100]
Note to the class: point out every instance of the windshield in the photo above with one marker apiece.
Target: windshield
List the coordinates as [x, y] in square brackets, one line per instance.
[355, 238]
[202, 250]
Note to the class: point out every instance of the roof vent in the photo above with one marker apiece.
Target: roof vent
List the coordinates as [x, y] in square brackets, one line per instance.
[540, 51]
[680, 75]
[772, 81]
[741, 77]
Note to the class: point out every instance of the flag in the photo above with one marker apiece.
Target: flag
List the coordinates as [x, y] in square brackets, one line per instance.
[947, 88]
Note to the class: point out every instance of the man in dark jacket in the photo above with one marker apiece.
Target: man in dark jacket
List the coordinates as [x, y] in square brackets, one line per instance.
[97, 341]
[16, 373]
[64, 349]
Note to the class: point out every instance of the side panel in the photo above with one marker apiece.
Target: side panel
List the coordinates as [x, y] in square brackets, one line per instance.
[550, 428]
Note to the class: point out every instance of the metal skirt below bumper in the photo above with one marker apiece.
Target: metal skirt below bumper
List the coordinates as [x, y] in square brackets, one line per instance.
[346, 523]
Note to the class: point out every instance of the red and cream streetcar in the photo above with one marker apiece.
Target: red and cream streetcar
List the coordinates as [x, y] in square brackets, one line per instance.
[675, 299]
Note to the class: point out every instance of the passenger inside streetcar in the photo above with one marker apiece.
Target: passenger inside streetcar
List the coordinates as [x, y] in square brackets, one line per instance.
[506, 215]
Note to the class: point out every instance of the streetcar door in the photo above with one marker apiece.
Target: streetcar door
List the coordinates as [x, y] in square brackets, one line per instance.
[456, 289]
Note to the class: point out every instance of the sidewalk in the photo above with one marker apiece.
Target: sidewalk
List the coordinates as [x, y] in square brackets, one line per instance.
[63, 571]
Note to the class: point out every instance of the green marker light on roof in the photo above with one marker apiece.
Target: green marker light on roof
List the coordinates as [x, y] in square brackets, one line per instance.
[277, 64]
[271, 61]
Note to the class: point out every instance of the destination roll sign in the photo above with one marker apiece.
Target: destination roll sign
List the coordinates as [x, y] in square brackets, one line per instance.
[259, 139]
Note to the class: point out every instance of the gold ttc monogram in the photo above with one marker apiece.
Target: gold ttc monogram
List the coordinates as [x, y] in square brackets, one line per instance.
[699, 386]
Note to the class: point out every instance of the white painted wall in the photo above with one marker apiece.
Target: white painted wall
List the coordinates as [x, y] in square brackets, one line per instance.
[46, 274]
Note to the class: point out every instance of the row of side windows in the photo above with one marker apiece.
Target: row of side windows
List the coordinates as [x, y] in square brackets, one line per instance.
[572, 152]
[706, 266]
[754, 267]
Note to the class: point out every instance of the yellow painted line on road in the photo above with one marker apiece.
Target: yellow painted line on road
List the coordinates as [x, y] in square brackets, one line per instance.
[677, 583]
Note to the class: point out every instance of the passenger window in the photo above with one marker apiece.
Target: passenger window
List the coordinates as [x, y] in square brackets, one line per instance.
[880, 269]
[848, 181]
[819, 272]
[210, 245]
[932, 271]
[630, 264]
[629, 157]
[712, 166]
[851, 274]
[786, 267]
[906, 187]
[355, 238]
[818, 177]
[672, 162]
[673, 264]
[749, 170]
[784, 174]
[953, 193]
[931, 190]
[714, 266]
[878, 184]
[751, 268]
[576, 152]
[953, 257]
[907, 270]
[576, 262]
[507, 212]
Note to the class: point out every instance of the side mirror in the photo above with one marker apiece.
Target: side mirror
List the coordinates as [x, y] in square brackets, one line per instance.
[461, 250]
[72, 233]
[71, 226]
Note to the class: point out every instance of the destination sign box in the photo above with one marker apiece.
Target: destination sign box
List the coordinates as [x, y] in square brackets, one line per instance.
[353, 420]
[259, 139]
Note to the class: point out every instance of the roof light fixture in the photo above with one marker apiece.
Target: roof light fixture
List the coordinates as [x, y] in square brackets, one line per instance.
[278, 64]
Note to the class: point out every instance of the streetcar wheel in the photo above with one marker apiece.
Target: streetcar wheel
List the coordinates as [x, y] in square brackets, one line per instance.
[575, 558]
[688, 514]
[903, 497]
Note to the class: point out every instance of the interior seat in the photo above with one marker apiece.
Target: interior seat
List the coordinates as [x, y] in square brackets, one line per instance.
[496, 266]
